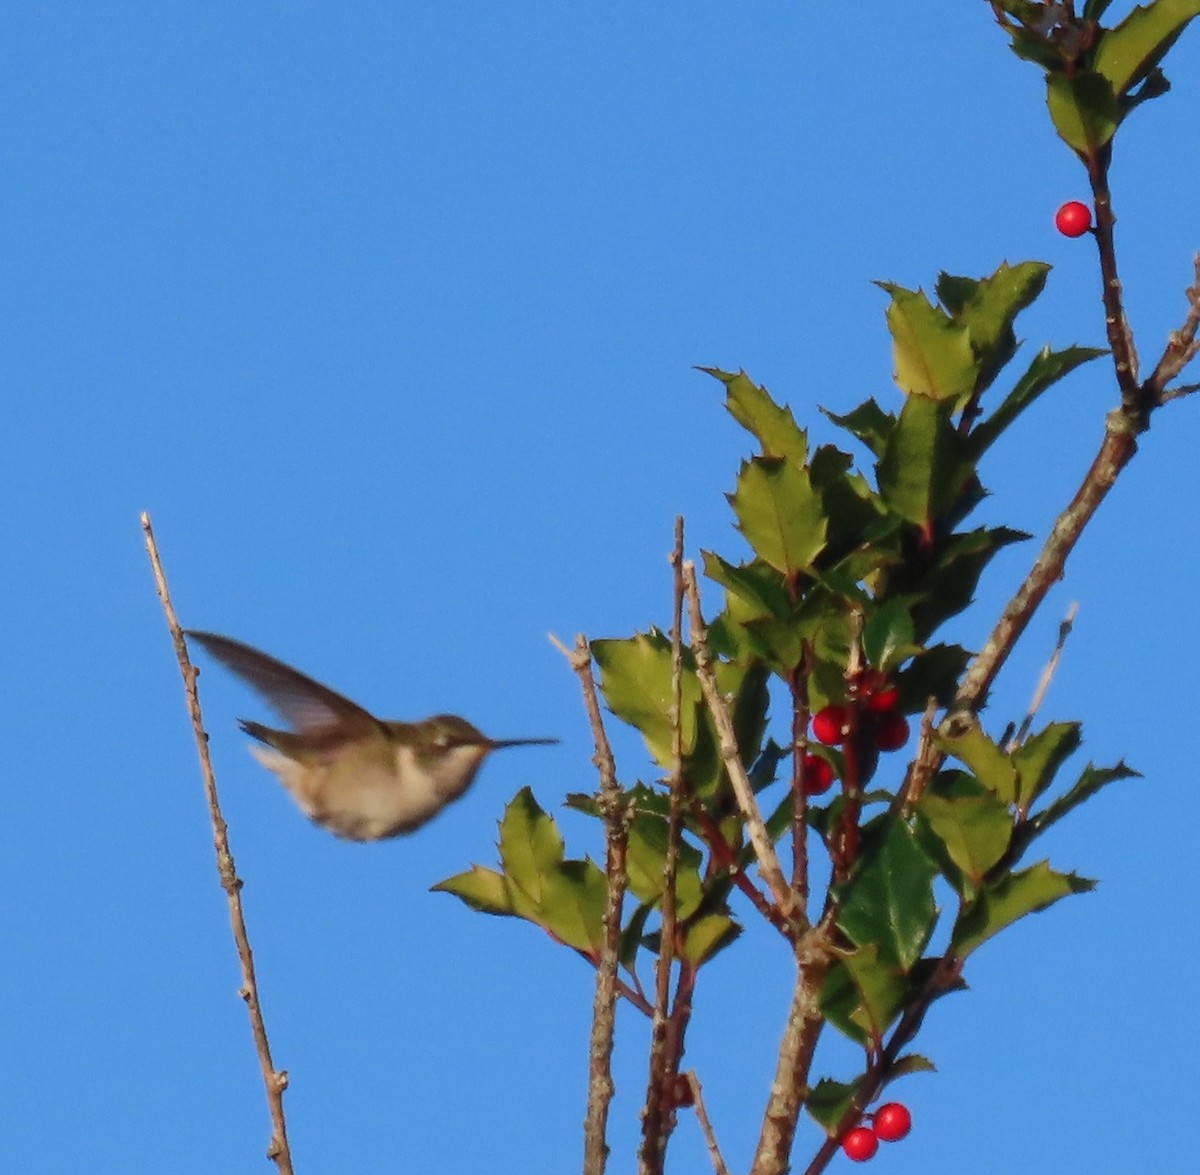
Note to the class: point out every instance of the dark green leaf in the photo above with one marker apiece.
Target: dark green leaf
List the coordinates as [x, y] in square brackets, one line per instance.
[1084, 110]
[972, 825]
[888, 632]
[757, 585]
[631, 935]
[1047, 368]
[989, 306]
[913, 469]
[881, 989]
[828, 1102]
[889, 899]
[752, 407]
[1089, 783]
[1011, 898]
[911, 1063]
[950, 586]
[780, 513]
[869, 423]
[933, 673]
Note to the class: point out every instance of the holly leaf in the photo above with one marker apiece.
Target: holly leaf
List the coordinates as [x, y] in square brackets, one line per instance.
[868, 423]
[889, 899]
[1012, 897]
[932, 353]
[1089, 783]
[1130, 52]
[988, 761]
[972, 827]
[531, 849]
[482, 889]
[828, 1101]
[1084, 110]
[635, 678]
[752, 407]
[925, 461]
[1040, 756]
[780, 514]
[1047, 368]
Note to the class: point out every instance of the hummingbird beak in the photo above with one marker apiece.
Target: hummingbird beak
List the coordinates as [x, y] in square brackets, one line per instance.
[497, 744]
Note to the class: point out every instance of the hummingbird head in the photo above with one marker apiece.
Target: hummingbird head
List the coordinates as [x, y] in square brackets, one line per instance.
[448, 732]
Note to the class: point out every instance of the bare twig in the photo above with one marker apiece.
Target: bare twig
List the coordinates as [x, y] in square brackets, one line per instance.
[1181, 347]
[798, 686]
[799, 1042]
[275, 1080]
[706, 1126]
[764, 850]
[658, 1114]
[616, 836]
[1039, 694]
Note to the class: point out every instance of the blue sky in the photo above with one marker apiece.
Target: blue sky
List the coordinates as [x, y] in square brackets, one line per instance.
[387, 314]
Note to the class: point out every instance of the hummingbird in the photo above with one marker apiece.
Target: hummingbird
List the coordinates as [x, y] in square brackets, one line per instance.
[361, 777]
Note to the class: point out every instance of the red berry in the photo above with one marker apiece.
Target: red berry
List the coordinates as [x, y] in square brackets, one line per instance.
[818, 775]
[860, 1144]
[892, 732]
[884, 699]
[827, 725]
[892, 1122]
[1073, 219]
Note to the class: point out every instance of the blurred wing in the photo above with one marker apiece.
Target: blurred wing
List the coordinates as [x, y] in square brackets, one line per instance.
[308, 705]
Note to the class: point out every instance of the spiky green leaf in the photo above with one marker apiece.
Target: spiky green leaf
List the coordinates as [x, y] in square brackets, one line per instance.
[987, 760]
[1090, 781]
[1040, 756]
[1130, 52]
[1012, 897]
[932, 353]
[752, 407]
[971, 825]
[889, 899]
[482, 889]
[1084, 110]
[780, 514]
[1047, 368]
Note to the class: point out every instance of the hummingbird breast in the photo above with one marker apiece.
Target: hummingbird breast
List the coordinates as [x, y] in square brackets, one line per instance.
[378, 796]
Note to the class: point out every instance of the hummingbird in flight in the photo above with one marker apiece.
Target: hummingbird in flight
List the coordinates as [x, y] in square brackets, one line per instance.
[361, 777]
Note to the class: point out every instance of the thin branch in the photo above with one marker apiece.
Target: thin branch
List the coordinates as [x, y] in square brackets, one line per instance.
[800, 1035]
[798, 686]
[658, 1113]
[764, 849]
[1116, 324]
[1181, 347]
[275, 1080]
[706, 1127]
[615, 811]
[1039, 694]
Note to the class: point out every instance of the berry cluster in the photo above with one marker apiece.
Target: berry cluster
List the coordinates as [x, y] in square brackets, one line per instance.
[878, 723]
[889, 1123]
